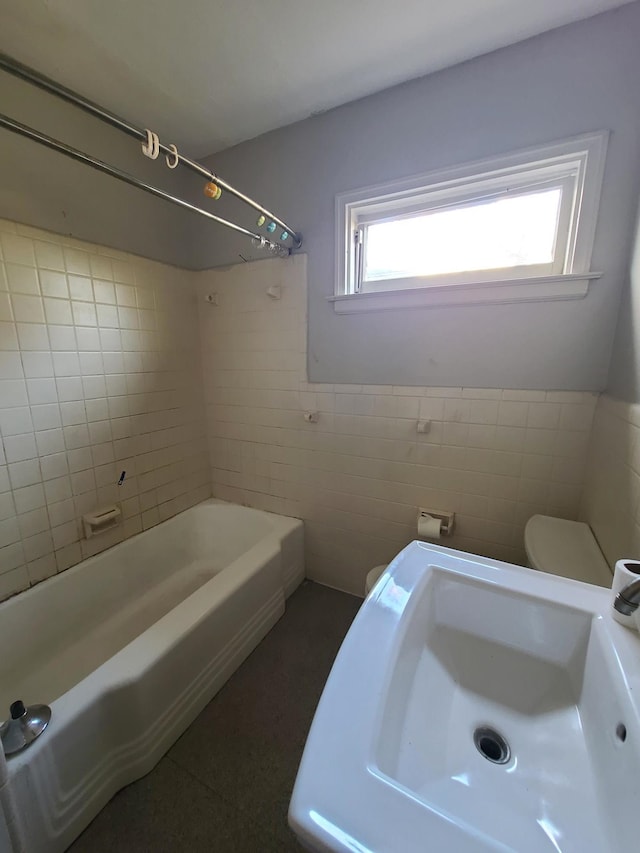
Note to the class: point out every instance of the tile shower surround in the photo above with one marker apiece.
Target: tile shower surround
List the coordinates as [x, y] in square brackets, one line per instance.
[357, 476]
[99, 374]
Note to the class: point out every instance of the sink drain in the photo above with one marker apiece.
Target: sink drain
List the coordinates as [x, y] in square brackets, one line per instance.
[491, 745]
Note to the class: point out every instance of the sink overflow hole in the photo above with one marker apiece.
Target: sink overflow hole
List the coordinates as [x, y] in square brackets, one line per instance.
[621, 732]
[491, 745]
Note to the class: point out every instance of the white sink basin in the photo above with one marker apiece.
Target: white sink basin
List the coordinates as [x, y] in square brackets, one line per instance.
[475, 706]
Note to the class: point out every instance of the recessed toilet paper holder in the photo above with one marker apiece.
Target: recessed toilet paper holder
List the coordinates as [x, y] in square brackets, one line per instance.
[447, 518]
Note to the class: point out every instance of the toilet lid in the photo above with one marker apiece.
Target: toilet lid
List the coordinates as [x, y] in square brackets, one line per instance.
[565, 548]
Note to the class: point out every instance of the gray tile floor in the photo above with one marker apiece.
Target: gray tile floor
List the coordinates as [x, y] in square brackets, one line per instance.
[225, 785]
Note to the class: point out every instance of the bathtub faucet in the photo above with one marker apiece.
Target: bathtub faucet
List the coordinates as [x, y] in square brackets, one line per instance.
[628, 599]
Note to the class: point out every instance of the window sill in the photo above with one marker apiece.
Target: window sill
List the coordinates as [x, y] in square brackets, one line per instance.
[540, 289]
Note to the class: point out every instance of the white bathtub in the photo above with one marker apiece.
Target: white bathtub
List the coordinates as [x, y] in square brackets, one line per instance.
[127, 648]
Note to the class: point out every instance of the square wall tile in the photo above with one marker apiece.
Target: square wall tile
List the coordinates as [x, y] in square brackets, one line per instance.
[46, 416]
[77, 261]
[101, 267]
[62, 338]
[33, 336]
[41, 569]
[104, 291]
[84, 313]
[22, 279]
[58, 312]
[20, 447]
[53, 284]
[53, 466]
[66, 364]
[31, 523]
[80, 288]
[41, 391]
[29, 498]
[15, 421]
[27, 309]
[10, 365]
[24, 473]
[37, 546]
[49, 256]
[13, 392]
[37, 365]
[49, 441]
[17, 250]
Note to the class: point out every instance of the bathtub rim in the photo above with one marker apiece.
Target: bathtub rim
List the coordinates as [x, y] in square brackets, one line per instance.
[280, 522]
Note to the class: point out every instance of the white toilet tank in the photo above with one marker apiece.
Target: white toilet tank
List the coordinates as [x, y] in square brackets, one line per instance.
[565, 548]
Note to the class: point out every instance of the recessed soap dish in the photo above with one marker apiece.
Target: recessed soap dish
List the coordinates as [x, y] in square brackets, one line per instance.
[101, 520]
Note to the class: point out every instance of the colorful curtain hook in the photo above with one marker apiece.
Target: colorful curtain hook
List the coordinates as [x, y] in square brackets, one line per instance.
[212, 190]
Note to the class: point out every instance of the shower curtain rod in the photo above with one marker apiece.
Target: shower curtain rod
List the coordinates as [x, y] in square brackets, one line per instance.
[100, 166]
[12, 66]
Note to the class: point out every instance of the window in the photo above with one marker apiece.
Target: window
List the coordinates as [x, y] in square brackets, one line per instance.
[517, 228]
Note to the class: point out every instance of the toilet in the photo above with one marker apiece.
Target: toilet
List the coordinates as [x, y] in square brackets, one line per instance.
[372, 578]
[553, 545]
[565, 548]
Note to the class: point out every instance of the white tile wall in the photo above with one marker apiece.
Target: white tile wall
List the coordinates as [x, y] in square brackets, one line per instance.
[357, 476]
[99, 373]
[611, 496]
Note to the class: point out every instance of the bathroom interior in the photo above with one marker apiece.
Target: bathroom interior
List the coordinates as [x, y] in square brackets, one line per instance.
[222, 426]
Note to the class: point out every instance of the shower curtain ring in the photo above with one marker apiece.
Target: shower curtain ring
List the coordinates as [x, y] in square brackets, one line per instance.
[151, 148]
[172, 161]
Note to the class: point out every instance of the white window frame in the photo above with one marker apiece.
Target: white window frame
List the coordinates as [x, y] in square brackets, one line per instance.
[577, 163]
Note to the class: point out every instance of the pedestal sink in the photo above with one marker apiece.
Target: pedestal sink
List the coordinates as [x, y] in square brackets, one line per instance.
[475, 706]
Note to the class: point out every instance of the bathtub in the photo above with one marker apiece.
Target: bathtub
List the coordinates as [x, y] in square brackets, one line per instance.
[127, 648]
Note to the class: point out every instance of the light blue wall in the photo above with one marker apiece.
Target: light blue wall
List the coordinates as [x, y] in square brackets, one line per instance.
[624, 371]
[579, 78]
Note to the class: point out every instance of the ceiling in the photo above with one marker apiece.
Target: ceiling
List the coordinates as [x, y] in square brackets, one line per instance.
[208, 73]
